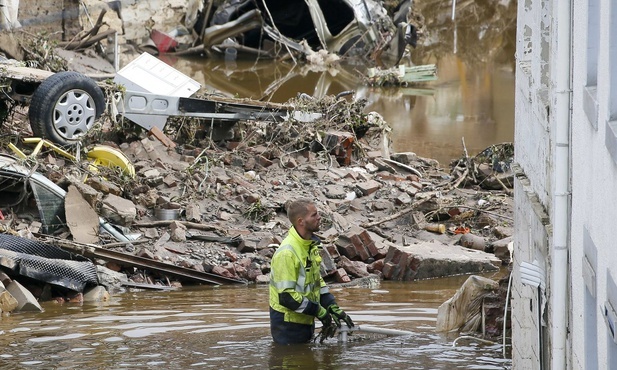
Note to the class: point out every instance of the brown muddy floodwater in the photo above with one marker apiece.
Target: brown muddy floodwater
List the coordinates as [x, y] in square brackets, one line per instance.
[473, 98]
[477, 105]
[228, 328]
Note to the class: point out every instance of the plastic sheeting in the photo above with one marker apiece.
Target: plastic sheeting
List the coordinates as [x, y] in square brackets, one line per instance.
[8, 14]
[464, 310]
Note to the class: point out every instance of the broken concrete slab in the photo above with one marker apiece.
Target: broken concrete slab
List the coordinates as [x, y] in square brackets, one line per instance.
[426, 260]
[109, 278]
[103, 186]
[7, 302]
[368, 187]
[82, 220]
[90, 194]
[25, 300]
[472, 241]
[335, 191]
[119, 210]
[96, 294]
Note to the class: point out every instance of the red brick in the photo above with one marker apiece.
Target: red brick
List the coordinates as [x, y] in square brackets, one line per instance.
[347, 250]
[393, 255]
[365, 237]
[411, 270]
[232, 145]
[77, 298]
[368, 187]
[263, 161]
[360, 249]
[332, 250]
[388, 269]
[375, 266]
[399, 270]
[373, 251]
[220, 270]
[113, 266]
[341, 276]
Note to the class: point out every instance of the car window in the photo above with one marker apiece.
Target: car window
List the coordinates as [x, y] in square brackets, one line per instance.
[31, 200]
[51, 208]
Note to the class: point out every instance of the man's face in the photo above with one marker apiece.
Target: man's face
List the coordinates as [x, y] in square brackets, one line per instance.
[312, 219]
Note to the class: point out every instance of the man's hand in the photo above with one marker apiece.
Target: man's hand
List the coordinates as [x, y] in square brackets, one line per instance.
[329, 329]
[338, 315]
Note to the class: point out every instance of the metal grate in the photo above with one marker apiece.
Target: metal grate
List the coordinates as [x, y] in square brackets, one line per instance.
[46, 263]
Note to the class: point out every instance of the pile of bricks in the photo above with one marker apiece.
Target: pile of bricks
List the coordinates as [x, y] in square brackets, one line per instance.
[357, 245]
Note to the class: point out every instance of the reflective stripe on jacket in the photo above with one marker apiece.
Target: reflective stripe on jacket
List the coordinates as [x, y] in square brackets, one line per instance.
[295, 270]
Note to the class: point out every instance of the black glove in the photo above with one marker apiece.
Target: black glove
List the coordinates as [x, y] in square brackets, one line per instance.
[338, 315]
[329, 329]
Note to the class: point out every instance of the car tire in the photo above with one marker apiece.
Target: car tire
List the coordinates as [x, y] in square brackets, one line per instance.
[65, 106]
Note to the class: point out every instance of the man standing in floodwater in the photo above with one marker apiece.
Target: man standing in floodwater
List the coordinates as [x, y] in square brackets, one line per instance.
[298, 293]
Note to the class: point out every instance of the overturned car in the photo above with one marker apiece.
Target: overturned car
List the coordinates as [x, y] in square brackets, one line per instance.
[270, 28]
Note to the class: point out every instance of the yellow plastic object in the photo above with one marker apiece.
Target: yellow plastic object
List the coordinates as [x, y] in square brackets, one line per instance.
[102, 155]
[17, 151]
[40, 143]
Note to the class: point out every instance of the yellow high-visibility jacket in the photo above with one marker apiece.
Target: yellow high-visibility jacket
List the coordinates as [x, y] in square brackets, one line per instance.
[295, 270]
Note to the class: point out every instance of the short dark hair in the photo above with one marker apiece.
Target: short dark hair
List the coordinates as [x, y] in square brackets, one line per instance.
[298, 208]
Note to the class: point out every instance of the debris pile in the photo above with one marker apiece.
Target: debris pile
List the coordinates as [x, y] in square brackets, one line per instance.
[218, 208]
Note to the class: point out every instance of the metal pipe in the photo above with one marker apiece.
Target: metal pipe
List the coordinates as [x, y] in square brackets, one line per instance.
[344, 330]
[116, 54]
[505, 314]
[562, 62]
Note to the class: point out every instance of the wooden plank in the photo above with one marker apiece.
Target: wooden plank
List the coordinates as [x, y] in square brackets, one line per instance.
[24, 73]
[160, 135]
[131, 284]
[162, 268]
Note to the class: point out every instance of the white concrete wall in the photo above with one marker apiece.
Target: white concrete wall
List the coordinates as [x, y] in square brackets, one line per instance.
[593, 165]
[594, 184]
[531, 220]
[533, 153]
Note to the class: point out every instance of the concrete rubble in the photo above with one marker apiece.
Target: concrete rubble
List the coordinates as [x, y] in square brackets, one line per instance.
[399, 219]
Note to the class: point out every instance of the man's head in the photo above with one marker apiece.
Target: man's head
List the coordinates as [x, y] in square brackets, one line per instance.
[304, 217]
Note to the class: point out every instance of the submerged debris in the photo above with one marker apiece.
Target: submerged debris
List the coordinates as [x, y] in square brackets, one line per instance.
[490, 169]
[401, 75]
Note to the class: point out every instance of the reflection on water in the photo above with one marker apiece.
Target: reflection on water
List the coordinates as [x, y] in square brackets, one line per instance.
[228, 327]
[473, 98]
[430, 120]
